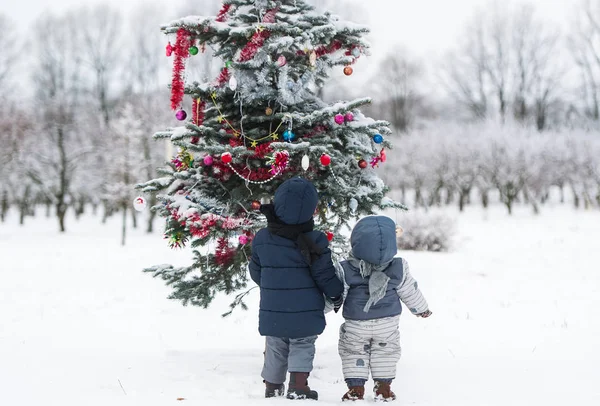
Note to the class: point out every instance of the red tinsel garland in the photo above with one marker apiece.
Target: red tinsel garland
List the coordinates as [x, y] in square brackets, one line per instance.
[224, 253]
[181, 51]
[259, 38]
[198, 107]
[222, 16]
[324, 50]
[223, 77]
[256, 42]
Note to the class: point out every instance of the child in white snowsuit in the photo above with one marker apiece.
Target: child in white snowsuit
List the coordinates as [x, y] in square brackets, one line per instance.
[375, 282]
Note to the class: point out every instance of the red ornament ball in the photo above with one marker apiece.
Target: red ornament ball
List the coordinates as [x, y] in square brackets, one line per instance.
[348, 70]
[226, 157]
[329, 235]
[362, 164]
[325, 160]
[255, 205]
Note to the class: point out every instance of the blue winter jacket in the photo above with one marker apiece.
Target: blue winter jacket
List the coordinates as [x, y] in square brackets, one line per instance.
[291, 291]
[373, 240]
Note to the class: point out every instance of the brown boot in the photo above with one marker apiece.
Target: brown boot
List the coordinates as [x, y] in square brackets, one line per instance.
[298, 387]
[273, 389]
[383, 391]
[355, 393]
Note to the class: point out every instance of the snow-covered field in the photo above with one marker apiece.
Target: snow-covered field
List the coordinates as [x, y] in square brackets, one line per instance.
[516, 321]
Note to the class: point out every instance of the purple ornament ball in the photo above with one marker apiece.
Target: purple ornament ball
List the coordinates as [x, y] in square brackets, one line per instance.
[208, 160]
[339, 118]
[243, 239]
[349, 116]
[181, 115]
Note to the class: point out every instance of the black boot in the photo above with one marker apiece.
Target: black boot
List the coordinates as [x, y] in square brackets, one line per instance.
[298, 387]
[273, 389]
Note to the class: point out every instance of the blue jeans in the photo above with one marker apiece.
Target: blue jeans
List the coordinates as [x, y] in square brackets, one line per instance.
[287, 354]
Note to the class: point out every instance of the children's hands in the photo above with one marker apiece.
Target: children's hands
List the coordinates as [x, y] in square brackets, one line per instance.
[425, 314]
[337, 303]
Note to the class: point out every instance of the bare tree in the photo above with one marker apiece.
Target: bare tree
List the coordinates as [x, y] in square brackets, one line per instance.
[584, 43]
[508, 59]
[398, 82]
[537, 71]
[101, 33]
[465, 72]
[8, 55]
[57, 75]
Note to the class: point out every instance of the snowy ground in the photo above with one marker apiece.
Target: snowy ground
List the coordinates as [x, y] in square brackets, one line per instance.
[516, 321]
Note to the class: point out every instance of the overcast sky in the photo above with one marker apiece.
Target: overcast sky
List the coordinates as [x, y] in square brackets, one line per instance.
[425, 26]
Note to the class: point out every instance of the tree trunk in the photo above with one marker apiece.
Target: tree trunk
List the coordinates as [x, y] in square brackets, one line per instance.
[107, 212]
[151, 215]
[124, 229]
[134, 219]
[4, 206]
[61, 211]
[23, 209]
[80, 207]
[61, 206]
[485, 199]
[509, 205]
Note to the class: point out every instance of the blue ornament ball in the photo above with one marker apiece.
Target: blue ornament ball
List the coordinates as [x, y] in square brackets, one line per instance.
[378, 138]
[288, 135]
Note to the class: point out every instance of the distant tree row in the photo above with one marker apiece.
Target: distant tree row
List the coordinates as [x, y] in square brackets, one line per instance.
[488, 162]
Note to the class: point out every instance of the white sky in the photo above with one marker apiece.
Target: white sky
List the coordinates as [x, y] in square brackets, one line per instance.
[424, 26]
[427, 28]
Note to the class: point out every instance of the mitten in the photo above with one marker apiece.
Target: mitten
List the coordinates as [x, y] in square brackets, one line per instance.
[337, 303]
[425, 314]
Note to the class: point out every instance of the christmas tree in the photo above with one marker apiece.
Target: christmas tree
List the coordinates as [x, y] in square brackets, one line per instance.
[257, 124]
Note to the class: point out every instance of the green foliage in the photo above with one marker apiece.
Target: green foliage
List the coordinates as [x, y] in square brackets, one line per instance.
[212, 204]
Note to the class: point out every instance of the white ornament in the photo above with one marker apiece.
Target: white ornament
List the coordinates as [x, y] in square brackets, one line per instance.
[233, 83]
[313, 58]
[305, 162]
[356, 52]
[139, 203]
[353, 204]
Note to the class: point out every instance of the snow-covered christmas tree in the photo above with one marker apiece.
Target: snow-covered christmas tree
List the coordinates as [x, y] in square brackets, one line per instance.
[257, 124]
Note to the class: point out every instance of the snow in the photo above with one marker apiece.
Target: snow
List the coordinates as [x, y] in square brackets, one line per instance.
[515, 320]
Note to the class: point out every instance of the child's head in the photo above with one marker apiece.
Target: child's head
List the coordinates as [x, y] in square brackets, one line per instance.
[373, 239]
[295, 201]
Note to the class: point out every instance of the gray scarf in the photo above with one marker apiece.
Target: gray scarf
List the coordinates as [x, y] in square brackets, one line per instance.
[378, 281]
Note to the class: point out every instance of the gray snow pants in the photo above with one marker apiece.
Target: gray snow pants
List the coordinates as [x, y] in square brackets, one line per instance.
[370, 345]
[287, 354]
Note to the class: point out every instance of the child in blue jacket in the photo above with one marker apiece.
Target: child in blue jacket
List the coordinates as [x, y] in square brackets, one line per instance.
[292, 264]
[376, 282]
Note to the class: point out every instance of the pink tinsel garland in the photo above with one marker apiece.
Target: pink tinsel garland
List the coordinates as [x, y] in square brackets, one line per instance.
[222, 16]
[181, 51]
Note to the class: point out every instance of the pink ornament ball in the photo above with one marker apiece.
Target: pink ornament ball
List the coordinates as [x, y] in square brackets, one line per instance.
[208, 160]
[243, 239]
[339, 118]
[281, 61]
[349, 116]
[181, 115]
